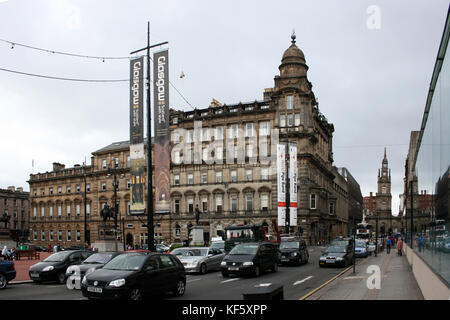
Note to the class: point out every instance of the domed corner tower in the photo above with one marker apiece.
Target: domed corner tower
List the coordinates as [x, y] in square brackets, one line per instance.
[293, 72]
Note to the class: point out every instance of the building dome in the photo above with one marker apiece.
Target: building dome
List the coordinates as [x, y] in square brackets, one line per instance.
[293, 54]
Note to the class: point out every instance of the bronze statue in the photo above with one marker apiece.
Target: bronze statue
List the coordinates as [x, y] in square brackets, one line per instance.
[106, 213]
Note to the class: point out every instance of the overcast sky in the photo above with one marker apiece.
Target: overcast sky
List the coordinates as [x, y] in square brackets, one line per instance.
[370, 63]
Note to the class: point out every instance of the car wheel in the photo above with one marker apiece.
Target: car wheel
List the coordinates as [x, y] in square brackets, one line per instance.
[61, 278]
[3, 281]
[203, 268]
[136, 294]
[257, 271]
[180, 288]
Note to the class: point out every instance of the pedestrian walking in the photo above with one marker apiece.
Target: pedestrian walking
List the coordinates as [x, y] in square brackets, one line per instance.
[399, 246]
[420, 240]
[388, 245]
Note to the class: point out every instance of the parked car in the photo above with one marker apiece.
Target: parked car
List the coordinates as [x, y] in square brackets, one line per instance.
[7, 272]
[336, 256]
[92, 263]
[162, 248]
[341, 241]
[199, 259]
[293, 251]
[54, 267]
[220, 244]
[446, 246]
[371, 247]
[361, 250]
[250, 258]
[135, 275]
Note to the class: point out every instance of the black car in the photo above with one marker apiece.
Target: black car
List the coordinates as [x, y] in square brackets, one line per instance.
[341, 241]
[336, 256]
[7, 273]
[293, 251]
[92, 263]
[251, 258]
[135, 275]
[54, 267]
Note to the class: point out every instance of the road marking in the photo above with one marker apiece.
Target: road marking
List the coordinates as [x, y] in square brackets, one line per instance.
[193, 280]
[229, 280]
[301, 281]
[263, 285]
[323, 285]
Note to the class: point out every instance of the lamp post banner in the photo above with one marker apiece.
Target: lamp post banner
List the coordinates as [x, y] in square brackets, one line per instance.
[281, 183]
[162, 133]
[137, 156]
[137, 101]
[137, 179]
[293, 186]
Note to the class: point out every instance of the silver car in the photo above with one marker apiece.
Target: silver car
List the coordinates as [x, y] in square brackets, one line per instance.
[199, 259]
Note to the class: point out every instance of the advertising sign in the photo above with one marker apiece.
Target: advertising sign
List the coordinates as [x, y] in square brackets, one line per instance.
[137, 156]
[281, 183]
[293, 185]
[162, 132]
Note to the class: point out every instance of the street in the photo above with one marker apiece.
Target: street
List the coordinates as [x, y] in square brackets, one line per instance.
[297, 281]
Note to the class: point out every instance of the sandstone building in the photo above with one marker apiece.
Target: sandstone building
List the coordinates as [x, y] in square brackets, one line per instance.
[222, 163]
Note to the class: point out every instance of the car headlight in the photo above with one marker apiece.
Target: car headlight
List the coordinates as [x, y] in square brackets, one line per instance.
[322, 258]
[117, 283]
[248, 263]
[294, 254]
[339, 259]
[49, 268]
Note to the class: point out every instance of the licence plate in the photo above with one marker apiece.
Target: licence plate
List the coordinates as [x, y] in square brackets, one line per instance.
[285, 260]
[93, 289]
[34, 274]
[330, 261]
[233, 268]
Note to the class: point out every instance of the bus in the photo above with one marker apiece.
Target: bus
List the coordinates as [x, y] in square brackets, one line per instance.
[363, 230]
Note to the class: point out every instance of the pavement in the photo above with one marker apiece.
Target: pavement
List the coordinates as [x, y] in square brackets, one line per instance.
[22, 266]
[397, 281]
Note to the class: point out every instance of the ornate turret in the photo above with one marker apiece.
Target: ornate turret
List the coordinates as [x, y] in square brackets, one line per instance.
[293, 70]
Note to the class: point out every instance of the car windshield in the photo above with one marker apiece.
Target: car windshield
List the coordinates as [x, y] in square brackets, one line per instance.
[290, 245]
[336, 249]
[245, 249]
[339, 243]
[57, 257]
[240, 233]
[186, 252]
[100, 258]
[360, 244]
[126, 262]
[218, 245]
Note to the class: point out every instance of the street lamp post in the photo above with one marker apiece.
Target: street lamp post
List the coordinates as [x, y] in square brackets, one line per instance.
[87, 239]
[150, 226]
[114, 171]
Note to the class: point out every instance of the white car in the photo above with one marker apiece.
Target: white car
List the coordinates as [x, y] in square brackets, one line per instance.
[371, 247]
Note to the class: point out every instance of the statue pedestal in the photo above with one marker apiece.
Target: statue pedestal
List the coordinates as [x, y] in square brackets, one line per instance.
[197, 236]
[107, 240]
[107, 245]
[5, 239]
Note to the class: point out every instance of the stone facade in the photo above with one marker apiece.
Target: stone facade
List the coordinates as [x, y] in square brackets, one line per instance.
[15, 204]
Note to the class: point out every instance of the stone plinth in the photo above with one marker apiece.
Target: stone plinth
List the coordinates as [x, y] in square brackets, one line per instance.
[197, 236]
[107, 245]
